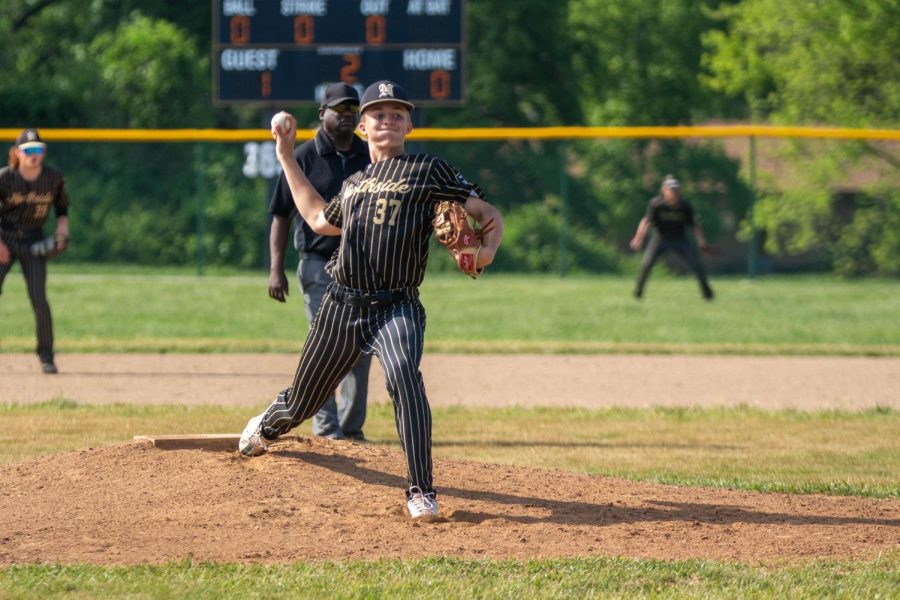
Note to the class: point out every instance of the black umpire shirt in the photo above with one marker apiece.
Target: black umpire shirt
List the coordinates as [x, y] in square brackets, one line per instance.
[671, 221]
[326, 170]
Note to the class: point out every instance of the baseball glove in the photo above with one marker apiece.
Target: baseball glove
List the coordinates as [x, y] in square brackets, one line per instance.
[49, 247]
[453, 230]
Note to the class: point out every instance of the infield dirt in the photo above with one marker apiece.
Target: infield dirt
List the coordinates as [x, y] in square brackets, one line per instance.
[319, 499]
[797, 382]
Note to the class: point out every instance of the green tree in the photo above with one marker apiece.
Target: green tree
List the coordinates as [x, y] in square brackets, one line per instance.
[151, 75]
[829, 62]
[139, 64]
[36, 61]
[637, 62]
[519, 66]
[591, 62]
[145, 63]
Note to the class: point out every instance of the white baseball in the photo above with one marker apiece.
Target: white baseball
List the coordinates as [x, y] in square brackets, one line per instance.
[280, 120]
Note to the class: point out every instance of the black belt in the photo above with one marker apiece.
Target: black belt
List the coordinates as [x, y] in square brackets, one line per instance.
[310, 253]
[371, 299]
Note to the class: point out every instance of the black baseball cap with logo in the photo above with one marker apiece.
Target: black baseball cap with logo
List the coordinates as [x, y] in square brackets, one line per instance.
[30, 138]
[384, 91]
[339, 93]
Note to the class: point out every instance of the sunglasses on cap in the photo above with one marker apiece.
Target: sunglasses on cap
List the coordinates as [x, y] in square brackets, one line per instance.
[33, 151]
[342, 108]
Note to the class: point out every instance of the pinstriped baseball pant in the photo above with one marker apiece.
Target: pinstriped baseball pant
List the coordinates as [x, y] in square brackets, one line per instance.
[34, 268]
[337, 338]
[334, 420]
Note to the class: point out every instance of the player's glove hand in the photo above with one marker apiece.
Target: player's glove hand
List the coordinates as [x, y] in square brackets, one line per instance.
[453, 230]
[50, 247]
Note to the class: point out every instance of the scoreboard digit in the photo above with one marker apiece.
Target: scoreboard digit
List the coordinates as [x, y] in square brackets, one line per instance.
[277, 52]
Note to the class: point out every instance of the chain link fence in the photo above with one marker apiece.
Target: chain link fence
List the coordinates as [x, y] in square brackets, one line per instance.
[570, 204]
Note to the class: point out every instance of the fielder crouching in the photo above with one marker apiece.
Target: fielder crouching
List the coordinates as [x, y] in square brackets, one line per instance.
[383, 216]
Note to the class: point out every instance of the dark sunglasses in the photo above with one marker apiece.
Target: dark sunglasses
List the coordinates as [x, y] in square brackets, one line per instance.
[342, 108]
[33, 151]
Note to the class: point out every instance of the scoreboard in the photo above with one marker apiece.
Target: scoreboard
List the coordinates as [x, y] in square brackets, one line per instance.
[278, 52]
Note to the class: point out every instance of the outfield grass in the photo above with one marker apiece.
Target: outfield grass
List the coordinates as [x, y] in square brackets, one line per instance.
[175, 311]
[450, 578]
[831, 452]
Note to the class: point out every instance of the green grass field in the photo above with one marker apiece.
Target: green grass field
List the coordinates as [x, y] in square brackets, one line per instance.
[832, 452]
[132, 309]
[828, 452]
[451, 578]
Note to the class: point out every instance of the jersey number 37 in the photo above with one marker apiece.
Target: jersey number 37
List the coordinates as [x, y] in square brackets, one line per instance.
[382, 208]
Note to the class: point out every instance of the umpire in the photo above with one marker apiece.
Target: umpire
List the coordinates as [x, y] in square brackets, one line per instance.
[670, 215]
[329, 158]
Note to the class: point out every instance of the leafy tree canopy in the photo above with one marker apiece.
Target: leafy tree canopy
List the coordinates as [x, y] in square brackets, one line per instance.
[810, 62]
[832, 62]
[146, 63]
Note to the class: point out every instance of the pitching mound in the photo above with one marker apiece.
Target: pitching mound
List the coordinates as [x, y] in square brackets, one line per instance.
[318, 499]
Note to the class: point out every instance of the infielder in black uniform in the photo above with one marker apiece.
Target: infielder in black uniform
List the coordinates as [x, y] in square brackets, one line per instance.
[28, 189]
[670, 215]
[326, 160]
[383, 216]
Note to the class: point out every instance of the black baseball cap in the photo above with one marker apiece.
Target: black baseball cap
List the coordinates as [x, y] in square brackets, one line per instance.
[30, 138]
[338, 93]
[384, 91]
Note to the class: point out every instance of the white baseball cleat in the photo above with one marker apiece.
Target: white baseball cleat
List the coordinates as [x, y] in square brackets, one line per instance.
[252, 441]
[422, 506]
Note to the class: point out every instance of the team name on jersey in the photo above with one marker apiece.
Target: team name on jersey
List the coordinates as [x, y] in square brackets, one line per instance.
[372, 185]
[18, 198]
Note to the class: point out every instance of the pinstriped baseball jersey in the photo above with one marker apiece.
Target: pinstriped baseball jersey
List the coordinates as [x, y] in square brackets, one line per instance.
[385, 214]
[25, 205]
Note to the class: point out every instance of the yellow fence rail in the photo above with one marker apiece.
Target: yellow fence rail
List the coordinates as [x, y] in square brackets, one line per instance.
[472, 134]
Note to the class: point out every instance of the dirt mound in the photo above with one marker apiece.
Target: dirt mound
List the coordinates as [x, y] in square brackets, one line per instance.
[317, 499]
